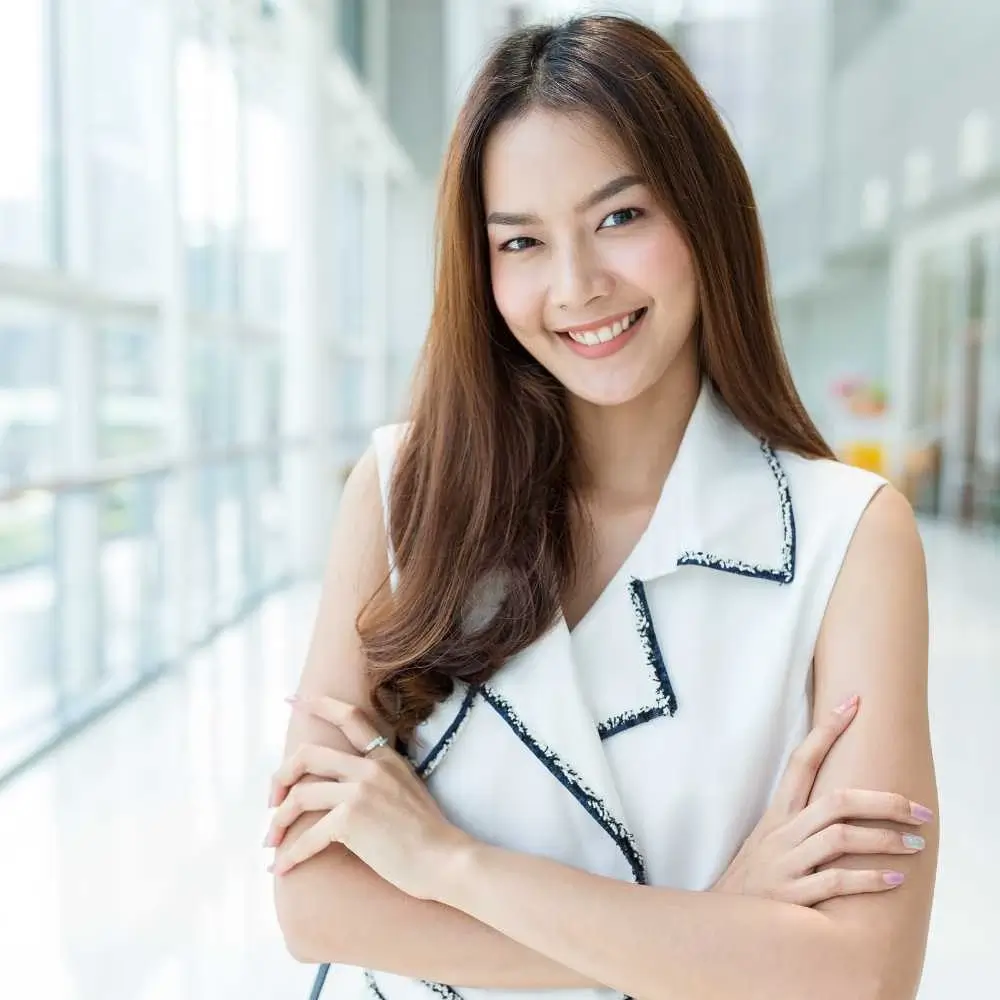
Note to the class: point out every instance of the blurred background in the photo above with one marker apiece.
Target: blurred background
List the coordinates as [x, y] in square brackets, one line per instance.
[215, 275]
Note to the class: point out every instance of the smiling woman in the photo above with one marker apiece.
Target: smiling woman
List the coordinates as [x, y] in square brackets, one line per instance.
[649, 665]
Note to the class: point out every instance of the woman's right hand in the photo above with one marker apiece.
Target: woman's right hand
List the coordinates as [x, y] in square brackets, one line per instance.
[793, 838]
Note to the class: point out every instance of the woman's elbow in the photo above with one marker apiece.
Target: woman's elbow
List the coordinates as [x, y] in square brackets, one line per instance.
[885, 973]
[294, 927]
[310, 936]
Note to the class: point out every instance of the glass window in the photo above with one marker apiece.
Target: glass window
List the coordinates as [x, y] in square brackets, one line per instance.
[131, 579]
[124, 122]
[208, 138]
[28, 692]
[25, 165]
[30, 402]
[215, 380]
[272, 397]
[268, 218]
[131, 414]
[350, 413]
[347, 226]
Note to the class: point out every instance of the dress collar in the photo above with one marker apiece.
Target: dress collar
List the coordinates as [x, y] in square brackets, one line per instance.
[725, 505]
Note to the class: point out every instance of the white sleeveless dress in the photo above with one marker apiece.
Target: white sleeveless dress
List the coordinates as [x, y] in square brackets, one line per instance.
[645, 744]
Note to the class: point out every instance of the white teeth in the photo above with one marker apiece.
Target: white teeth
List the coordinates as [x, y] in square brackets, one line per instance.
[593, 337]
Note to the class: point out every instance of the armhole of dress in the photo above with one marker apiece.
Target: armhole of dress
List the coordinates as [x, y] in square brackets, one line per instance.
[386, 441]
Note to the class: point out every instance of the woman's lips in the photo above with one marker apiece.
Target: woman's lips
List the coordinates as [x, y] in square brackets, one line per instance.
[609, 347]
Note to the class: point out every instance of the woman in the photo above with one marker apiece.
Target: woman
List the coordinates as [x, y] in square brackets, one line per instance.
[584, 605]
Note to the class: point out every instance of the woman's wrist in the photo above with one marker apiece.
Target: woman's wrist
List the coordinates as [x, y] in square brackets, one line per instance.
[452, 865]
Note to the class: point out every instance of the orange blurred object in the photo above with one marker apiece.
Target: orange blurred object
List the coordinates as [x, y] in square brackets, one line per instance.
[868, 455]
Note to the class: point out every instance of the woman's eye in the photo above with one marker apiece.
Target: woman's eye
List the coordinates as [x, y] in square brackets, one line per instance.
[518, 243]
[620, 217]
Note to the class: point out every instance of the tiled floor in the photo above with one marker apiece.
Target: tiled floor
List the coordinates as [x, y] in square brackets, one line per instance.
[133, 866]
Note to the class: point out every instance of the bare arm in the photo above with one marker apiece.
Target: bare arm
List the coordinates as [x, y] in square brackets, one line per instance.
[661, 944]
[334, 908]
[874, 640]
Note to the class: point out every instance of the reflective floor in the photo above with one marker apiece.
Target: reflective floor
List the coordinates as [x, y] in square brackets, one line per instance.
[134, 869]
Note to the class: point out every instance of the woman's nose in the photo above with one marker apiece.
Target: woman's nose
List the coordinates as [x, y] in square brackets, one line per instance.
[578, 279]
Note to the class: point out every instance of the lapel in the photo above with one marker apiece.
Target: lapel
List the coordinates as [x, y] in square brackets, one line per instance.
[725, 506]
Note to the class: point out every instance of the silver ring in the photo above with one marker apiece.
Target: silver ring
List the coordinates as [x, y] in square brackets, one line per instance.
[379, 741]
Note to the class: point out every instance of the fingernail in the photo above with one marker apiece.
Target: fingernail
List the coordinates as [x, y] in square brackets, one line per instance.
[293, 699]
[270, 869]
[847, 705]
[893, 878]
[267, 841]
[921, 813]
[913, 841]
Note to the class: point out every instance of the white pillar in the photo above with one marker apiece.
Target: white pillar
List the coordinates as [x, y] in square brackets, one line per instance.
[302, 402]
[79, 654]
[375, 216]
[177, 499]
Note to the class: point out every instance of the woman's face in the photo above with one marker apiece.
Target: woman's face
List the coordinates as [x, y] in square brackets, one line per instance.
[588, 271]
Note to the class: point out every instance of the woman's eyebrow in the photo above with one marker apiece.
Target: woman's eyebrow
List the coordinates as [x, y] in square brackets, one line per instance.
[609, 190]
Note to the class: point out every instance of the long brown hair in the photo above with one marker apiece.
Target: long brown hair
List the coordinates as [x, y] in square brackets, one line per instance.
[482, 498]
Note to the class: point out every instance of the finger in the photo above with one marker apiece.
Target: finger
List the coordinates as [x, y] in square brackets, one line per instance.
[317, 838]
[348, 718]
[313, 796]
[321, 761]
[855, 803]
[833, 882]
[807, 758]
[839, 839]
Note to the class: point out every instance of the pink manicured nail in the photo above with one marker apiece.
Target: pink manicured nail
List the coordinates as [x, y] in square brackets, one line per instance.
[847, 705]
[921, 813]
[292, 699]
[893, 878]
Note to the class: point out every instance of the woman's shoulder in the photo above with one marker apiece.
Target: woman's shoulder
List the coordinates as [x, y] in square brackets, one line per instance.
[826, 481]
[833, 500]
[385, 443]
[386, 439]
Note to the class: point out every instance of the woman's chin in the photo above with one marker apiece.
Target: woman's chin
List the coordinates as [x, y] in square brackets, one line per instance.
[606, 395]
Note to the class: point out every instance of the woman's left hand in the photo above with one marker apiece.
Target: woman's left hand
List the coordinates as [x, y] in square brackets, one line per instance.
[376, 806]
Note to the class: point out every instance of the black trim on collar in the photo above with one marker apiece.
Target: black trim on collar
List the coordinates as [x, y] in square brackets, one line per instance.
[565, 775]
[426, 767]
[373, 986]
[438, 989]
[785, 573]
[665, 701]
[321, 974]
[445, 992]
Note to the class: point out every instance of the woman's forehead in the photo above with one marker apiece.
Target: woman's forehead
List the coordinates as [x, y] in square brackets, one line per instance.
[549, 159]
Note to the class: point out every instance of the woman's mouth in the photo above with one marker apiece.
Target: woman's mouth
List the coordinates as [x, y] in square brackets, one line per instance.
[601, 342]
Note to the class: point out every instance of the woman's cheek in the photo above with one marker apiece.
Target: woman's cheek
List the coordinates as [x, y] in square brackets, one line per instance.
[657, 260]
[516, 295]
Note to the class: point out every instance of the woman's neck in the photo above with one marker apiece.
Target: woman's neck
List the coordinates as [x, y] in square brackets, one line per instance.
[627, 450]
